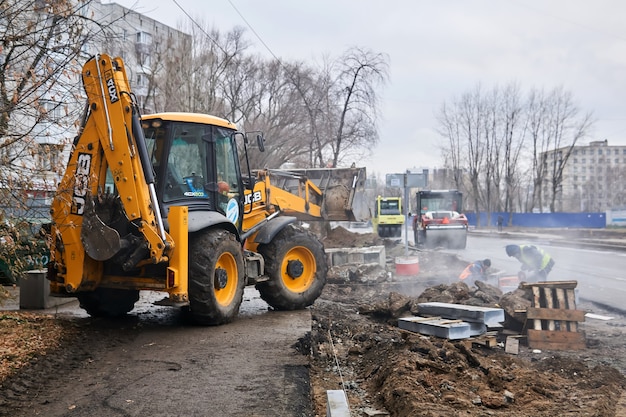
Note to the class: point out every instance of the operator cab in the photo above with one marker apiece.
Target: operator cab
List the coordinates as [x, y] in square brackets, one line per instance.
[196, 163]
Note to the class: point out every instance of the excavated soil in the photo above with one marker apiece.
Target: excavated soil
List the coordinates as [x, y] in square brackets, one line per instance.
[386, 371]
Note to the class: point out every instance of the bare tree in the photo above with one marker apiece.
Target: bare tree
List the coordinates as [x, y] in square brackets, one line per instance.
[493, 143]
[454, 157]
[314, 90]
[197, 82]
[465, 123]
[40, 94]
[361, 72]
[513, 132]
[40, 104]
[276, 108]
[555, 128]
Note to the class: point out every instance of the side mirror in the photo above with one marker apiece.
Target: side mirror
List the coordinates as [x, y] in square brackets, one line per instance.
[260, 140]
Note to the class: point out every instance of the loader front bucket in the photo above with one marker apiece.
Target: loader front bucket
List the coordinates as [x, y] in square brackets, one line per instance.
[342, 190]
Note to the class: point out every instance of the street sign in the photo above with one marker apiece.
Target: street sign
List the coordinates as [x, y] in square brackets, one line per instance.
[412, 180]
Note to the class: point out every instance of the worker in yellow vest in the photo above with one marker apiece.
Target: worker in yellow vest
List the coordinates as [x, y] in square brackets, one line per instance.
[536, 263]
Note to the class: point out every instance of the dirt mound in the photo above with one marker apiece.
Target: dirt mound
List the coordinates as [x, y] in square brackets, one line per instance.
[340, 237]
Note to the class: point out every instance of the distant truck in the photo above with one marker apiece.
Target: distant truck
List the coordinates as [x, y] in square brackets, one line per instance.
[388, 218]
[440, 220]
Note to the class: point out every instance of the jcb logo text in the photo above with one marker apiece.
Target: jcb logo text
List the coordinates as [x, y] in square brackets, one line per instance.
[81, 184]
[253, 198]
[111, 88]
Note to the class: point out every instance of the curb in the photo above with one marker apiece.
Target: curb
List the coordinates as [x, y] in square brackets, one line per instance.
[554, 241]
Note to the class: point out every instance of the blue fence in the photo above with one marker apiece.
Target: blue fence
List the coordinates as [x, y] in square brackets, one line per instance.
[581, 220]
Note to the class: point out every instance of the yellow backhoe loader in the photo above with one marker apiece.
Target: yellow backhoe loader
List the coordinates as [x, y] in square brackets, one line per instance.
[160, 203]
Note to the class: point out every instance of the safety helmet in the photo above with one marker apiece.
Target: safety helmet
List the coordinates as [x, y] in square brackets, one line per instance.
[487, 262]
[512, 250]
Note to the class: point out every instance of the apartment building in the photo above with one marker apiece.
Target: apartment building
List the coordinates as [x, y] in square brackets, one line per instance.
[594, 177]
[146, 46]
[41, 129]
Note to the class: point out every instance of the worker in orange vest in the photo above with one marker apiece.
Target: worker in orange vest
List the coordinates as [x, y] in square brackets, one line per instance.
[477, 270]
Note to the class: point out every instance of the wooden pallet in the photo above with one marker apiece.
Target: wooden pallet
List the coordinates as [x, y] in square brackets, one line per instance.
[552, 321]
[487, 340]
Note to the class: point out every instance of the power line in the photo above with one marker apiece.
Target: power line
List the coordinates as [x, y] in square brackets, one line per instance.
[255, 33]
[200, 27]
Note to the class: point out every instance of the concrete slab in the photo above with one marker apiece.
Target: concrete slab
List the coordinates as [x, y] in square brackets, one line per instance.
[368, 255]
[436, 326]
[476, 328]
[337, 404]
[486, 315]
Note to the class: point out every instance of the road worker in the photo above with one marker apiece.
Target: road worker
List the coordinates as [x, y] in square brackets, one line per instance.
[477, 270]
[536, 263]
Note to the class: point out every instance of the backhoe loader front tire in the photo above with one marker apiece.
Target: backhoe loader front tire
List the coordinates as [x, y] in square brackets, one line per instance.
[108, 302]
[216, 277]
[296, 264]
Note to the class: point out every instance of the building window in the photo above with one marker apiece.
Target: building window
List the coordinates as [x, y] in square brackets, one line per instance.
[584, 160]
[49, 156]
[145, 38]
[142, 80]
[144, 59]
[599, 151]
[50, 110]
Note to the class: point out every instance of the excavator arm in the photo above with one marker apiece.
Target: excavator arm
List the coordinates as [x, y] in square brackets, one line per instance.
[110, 144]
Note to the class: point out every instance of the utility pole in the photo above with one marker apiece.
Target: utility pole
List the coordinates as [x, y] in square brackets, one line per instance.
[406, 213]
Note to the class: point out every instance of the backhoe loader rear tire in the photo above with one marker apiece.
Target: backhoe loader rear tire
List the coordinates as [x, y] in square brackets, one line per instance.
[296, 264]
[108, 302]
[216, 277]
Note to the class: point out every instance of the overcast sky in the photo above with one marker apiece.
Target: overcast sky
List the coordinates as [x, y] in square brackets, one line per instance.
[439, 50]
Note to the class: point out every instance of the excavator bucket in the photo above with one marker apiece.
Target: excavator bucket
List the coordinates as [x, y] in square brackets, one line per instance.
[342, 197]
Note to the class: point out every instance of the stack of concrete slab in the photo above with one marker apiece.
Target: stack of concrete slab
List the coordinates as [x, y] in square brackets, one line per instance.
[490, 316]
[453, 321]
[436, 326]
[360, 256]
